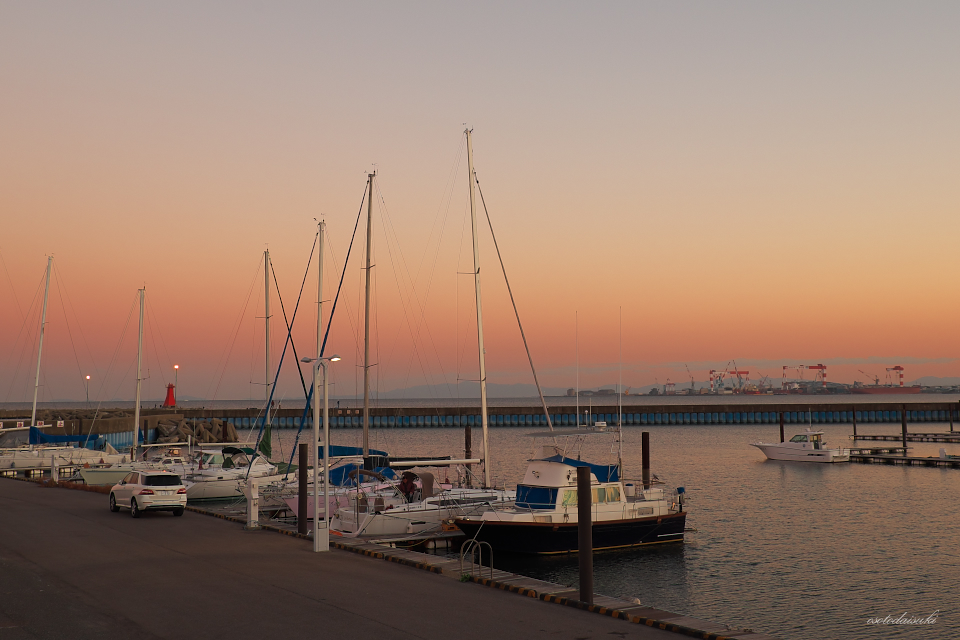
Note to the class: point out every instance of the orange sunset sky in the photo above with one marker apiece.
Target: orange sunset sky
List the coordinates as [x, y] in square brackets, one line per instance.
[775, 183]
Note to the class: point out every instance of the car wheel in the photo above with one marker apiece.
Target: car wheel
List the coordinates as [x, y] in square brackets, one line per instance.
[178, 512]
[113, 503]
[134, 508]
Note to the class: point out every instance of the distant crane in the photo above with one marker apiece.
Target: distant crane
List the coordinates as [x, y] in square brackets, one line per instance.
[692, 385]
[669, 387]
[876, 379]
[898, 369]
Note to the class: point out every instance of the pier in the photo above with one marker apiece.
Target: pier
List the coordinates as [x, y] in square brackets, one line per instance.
[69, 567]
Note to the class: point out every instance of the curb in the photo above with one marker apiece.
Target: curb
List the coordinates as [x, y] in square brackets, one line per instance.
[604, 611]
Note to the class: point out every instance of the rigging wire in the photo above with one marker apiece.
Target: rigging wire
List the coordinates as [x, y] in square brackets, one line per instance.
[63, 309]
[24, 327]
[76, 317]
[326, 333]
[225, 357]
[515, 311]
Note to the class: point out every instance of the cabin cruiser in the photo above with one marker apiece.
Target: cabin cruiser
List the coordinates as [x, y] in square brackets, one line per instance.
[544, 519]
[808, 446]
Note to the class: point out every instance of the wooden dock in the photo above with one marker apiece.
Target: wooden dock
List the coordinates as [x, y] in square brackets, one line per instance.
[953, 436]
[952, 462]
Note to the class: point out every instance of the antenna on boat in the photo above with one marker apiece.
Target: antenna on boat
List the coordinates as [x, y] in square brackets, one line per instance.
[576, 331]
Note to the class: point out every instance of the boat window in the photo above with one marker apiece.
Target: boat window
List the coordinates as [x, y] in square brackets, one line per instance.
[536, 497]
[162, 481]
[599, 495]
[798, 438]
[569, 499]
[613, 494]
[212, 458]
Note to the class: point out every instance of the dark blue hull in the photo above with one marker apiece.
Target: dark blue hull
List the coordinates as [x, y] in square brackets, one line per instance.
[549, 538]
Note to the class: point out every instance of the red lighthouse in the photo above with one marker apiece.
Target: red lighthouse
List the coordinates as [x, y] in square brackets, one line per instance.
[171, 399]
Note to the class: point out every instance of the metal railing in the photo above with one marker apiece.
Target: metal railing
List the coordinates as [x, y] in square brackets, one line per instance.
[475, 548]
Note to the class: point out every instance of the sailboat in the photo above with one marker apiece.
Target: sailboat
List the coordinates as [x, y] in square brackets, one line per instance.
[28, 447]
[391, 511]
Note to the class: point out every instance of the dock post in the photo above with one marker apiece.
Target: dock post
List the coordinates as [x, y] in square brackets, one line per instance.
[854, 414]
[645, 458]
[903, 426]
[951, 419]
[585, 531]
[781, 426]
[302, 515]
[54, 470]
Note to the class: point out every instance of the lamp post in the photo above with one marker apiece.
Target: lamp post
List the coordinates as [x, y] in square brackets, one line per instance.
[176, 375]
[321, 541]
[87, 385]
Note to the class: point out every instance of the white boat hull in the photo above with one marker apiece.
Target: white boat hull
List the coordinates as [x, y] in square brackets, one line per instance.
[796, 454]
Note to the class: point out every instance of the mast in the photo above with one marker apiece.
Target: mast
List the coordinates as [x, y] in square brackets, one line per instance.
[576, 333]
[136, 411]
[366, 325]
[472, 178]
[43, 324]
[323, 229]
[620, 400]
[266, 339]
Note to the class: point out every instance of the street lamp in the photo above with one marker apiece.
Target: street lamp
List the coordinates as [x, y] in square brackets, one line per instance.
[321, 542]
[87, 385]
[176, 375]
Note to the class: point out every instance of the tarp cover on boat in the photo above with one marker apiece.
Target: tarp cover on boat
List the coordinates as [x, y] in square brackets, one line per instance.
[340, 476]
[39, 437]
[604, 472]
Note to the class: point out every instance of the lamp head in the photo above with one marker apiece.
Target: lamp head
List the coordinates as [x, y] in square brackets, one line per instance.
[306, 360]
[334, 358]
[88, 377]
[176, 366]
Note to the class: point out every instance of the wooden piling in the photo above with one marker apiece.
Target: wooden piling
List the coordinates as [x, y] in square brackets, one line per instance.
[302, 515]
[645, 458]
[585, 531]
[903, 425]
[854, 414]
[781, 427]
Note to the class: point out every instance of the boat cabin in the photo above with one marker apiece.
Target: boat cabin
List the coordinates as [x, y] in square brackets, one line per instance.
[809, 440]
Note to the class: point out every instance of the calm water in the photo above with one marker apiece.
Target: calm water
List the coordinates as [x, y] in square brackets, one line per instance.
[799, 550]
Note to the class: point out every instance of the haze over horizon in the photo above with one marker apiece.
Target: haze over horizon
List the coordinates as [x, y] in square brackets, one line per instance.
[751, 185]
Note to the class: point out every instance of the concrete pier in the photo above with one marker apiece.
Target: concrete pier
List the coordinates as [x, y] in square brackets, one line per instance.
[69, 568]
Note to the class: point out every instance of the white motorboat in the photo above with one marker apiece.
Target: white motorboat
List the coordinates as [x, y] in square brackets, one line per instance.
[808, 446]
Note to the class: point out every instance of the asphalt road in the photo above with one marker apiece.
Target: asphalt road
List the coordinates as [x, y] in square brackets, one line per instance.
[70, 569]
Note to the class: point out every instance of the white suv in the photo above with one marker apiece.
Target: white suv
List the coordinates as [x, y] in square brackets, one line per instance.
[143, 491]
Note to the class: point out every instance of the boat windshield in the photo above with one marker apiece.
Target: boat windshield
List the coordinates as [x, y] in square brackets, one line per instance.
[798, 438]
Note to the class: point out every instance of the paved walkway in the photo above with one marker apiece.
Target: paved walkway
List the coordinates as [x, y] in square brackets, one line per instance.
[71, 569]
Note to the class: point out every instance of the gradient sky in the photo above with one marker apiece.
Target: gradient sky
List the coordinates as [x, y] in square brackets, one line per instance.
[773, 183]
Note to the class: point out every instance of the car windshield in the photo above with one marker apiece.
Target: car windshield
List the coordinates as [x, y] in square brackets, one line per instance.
[162, 481]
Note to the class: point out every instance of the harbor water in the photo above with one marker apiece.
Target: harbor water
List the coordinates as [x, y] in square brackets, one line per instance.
[804, 551]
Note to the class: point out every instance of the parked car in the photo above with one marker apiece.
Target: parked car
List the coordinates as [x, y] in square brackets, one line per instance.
[142, 491]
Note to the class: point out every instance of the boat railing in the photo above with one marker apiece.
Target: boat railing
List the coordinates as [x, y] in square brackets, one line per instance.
[475, 548]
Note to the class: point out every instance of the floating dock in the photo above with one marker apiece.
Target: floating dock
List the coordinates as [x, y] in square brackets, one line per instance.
[914, 461]
[952, 436]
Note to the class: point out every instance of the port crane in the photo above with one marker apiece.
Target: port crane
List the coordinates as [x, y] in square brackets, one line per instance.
[897, 369]
[876, 379]
[692, 385]
[716, 378]
[820, 376]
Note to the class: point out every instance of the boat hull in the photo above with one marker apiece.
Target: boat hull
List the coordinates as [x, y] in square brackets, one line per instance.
[884, 391]
[550, 538]
[779, 452]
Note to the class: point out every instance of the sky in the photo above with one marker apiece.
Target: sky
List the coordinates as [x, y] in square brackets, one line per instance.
[672, 186]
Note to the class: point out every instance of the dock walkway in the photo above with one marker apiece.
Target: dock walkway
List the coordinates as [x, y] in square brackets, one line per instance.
[70, 568]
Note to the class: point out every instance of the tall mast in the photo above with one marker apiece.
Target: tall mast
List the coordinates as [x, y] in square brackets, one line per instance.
[476, 279]
[366, 324]
[576, 332]
[43, 324]
[266, 338]
[136, 411]
[322, 229]
[620, 401]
